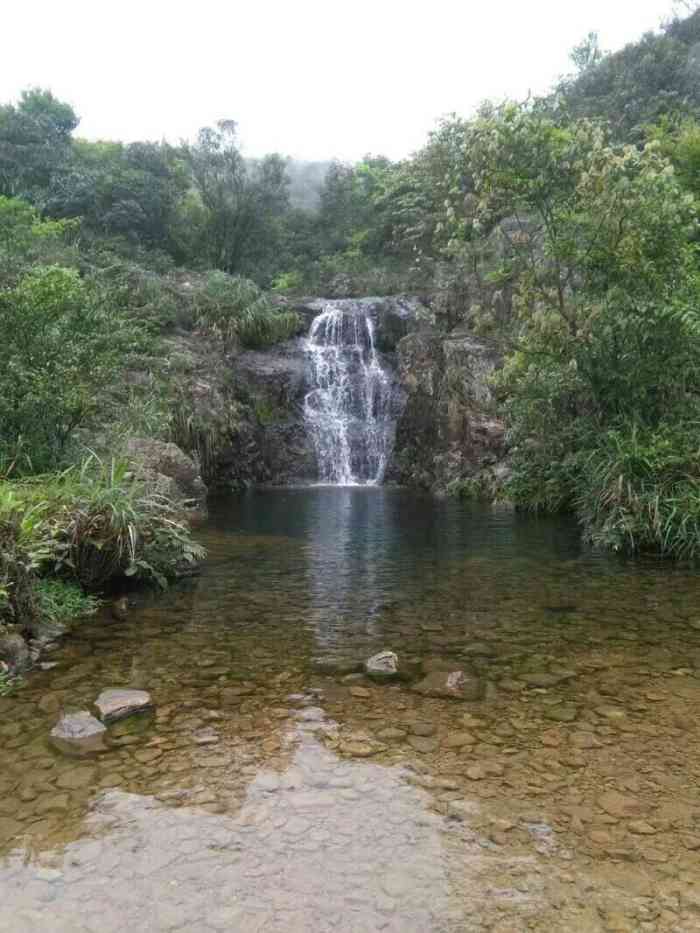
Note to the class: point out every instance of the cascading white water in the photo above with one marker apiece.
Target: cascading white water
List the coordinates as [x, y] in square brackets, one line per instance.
[348, 410]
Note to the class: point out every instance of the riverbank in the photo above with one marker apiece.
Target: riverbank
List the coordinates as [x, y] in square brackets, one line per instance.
[67, 540]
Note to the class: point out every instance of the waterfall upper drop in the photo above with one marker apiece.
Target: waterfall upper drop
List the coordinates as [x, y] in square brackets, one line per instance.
[348, 410]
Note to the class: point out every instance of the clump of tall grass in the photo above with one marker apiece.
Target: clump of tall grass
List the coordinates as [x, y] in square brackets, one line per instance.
[99, 522]
[24, 545]
[640, 491]
[61, 601]
[239, 314]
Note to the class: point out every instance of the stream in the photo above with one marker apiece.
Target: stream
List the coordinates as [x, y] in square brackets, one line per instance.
[276, 789]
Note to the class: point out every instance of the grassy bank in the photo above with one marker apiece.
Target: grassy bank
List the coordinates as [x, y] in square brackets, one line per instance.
[66, 538]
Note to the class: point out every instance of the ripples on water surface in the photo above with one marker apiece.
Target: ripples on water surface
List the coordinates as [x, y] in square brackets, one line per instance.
[268, 794]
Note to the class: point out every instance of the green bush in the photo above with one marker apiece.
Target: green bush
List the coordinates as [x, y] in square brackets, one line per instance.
[62, 343]
[60, 601]
[102, 523]
[640, 491]
[25, 544]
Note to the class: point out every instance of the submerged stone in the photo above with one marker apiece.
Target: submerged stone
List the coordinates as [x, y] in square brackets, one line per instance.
[618, 805]
[78, 734]
[360, 693]
[451, 685]
[118, 703]
[339, 666]
[120, 609]
[382, 666]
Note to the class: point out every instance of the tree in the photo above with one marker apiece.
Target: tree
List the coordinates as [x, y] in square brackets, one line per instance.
[232, 223]
[606, 283]
[645, 81]
[132, 191]
[62, 343]
[35, 143]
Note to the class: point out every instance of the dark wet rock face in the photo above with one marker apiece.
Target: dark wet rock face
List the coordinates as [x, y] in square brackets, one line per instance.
[273, 385]
[449, 429]
[78, 734]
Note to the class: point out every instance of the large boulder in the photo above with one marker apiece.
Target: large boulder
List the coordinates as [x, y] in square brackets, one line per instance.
[78, 734]
[273, 384]
[169, 469]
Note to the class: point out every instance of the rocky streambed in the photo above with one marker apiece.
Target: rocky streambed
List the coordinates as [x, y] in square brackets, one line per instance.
[282, 782]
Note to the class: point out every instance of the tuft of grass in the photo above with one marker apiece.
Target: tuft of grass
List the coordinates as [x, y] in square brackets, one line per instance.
[96, 522]
[61, 601]
[640, 491]
[239, 314]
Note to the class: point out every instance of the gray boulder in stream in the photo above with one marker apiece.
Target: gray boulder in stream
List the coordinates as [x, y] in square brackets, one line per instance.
[78, 734]
[118, 703]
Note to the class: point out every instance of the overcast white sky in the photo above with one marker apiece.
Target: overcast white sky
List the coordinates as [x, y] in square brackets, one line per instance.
[314, 78]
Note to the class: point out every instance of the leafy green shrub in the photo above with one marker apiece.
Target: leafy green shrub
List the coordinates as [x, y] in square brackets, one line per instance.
[26, 240]
[62, 343]
[24, 545]
[640, 491]
[288, 282]
[152, 296]
[481, 488]
[60, 601]
[104, 523]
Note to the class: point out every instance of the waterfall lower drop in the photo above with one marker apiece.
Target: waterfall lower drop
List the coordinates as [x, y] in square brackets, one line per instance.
[348, 411]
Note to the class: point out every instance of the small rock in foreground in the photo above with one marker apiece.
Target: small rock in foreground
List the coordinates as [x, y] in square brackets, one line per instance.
[118, 703]
[78, 734]
[382, 666]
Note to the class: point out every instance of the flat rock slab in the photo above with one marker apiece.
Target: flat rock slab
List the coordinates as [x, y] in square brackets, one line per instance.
[451, 685]
[116, 704]
[78, 734]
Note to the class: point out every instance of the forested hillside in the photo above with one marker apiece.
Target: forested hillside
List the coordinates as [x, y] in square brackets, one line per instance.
[563, 229]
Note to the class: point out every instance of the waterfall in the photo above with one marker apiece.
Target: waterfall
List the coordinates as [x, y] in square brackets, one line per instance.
[348, 410]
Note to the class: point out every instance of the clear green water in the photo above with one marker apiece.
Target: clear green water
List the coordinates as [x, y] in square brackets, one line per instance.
[272, 792]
